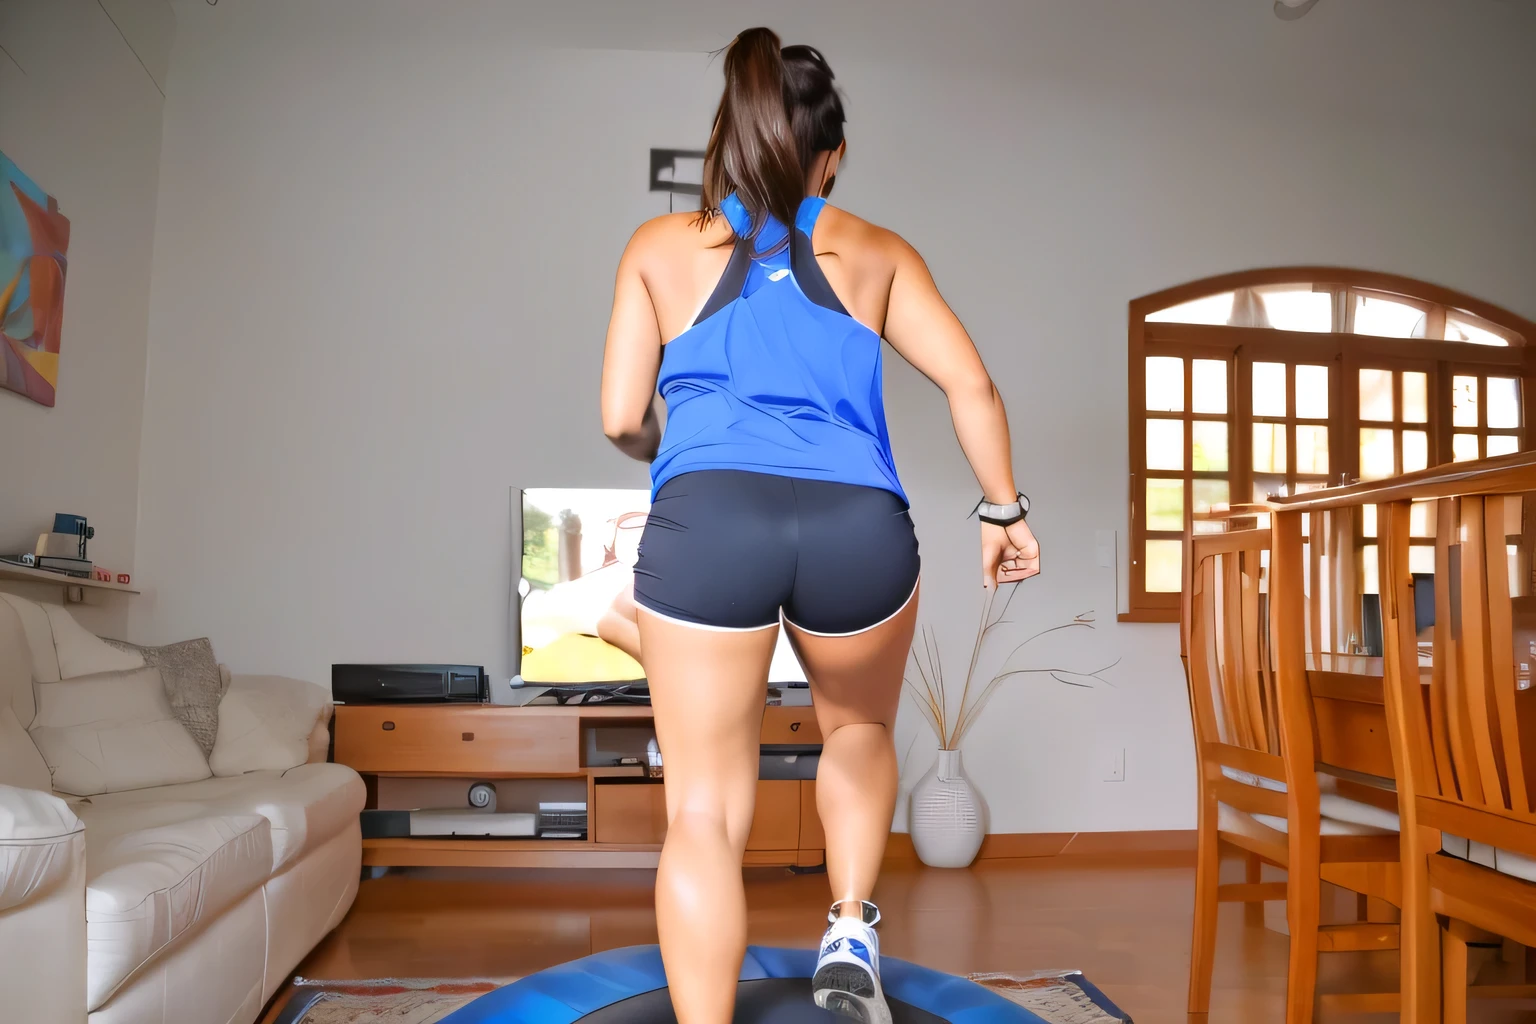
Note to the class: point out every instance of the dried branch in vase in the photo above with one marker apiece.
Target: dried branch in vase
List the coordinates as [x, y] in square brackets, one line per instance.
[932, 692]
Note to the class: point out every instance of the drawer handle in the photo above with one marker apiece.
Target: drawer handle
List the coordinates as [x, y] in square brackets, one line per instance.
[794, 726]
[389, 726]
[466, 737]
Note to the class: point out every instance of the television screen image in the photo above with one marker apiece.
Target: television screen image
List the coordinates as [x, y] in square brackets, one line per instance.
[577, 578]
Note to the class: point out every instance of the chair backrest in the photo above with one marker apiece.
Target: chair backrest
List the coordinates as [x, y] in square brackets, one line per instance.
[1228, 650]
[1463, 754]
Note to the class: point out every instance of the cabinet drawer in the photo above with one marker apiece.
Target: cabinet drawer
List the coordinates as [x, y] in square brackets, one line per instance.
[790, 725]
[454, 740]
[630, 813]
[776, 820]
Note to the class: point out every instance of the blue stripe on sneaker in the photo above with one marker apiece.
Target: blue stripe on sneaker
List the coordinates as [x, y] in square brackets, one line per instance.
[861, 951]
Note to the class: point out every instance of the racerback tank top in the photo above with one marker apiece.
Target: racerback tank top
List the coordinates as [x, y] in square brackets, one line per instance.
[774, 376]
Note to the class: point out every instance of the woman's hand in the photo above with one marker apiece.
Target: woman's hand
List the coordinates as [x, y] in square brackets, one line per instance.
[1008, 554]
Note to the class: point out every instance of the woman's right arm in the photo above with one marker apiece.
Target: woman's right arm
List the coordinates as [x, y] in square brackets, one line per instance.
[923, 329]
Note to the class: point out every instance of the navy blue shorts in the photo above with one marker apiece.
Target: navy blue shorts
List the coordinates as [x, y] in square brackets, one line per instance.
[730, 549]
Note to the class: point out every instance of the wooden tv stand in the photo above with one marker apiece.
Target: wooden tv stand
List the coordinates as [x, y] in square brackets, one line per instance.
[626, 811]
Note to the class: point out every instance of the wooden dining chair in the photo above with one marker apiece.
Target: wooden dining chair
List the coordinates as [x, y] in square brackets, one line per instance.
[1462, 752]
[1242, 638]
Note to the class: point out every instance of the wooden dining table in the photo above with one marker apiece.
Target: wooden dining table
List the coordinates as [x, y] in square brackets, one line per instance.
[1350, 704]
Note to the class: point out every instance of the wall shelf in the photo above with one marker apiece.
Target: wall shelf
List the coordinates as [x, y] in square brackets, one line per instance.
[24, 574]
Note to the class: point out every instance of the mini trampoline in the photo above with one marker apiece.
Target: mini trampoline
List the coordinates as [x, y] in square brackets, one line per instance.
[628, 986]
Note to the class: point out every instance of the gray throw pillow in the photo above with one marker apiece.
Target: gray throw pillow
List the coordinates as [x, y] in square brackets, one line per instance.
[192, 683]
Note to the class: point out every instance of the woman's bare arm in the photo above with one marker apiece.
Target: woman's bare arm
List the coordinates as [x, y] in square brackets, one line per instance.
[632, 358]
[923, 329]
[926, 333]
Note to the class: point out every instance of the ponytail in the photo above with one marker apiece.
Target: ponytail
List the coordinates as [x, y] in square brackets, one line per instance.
[752, 150]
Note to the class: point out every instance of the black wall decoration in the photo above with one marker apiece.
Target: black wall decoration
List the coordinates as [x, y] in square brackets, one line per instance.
[665, 169]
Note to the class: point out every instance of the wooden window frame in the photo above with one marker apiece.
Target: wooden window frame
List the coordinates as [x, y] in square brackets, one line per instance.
[1342, 351]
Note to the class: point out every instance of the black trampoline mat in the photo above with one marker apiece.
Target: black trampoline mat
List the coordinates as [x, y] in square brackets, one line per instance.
[759, 1001]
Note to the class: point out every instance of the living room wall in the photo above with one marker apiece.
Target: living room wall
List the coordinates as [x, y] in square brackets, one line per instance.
[386, 238]
[80, 108]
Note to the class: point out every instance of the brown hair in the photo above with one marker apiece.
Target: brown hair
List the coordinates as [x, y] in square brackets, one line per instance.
[779, 110]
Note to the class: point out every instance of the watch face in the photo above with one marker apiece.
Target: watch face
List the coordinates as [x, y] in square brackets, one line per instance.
[1023, 503]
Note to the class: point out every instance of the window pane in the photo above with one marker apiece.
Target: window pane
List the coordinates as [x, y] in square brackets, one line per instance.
[1464, 447]
[1210, 385]
[1209, 443]
[1370, 566]
[1367, 520]
[1214, 309]
[1165, 505]
[1165, 444]
[1210, 493]
[1415, 451]
[1269, 389]
[1464, 401]
[1502, 444]
[1415, 397]
[1311, 450]
[1269, 448]
[1457, 329]
[1421, 558]
[1388, 319]
[1376, 395]
[1165, 384]
[1503, 402]
[1312, 392]
[1299, 309]
[1376, 460]
[1164, 566]
[1421, 519]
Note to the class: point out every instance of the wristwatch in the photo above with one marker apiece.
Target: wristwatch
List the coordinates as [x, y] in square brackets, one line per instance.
[1003, 515]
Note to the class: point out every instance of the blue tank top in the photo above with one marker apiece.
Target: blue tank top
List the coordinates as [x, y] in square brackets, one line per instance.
[774, 376]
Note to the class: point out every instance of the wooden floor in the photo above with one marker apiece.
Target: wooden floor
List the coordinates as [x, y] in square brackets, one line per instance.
[1121, 919]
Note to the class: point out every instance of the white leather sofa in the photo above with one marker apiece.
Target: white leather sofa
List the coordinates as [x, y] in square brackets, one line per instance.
[183, 903]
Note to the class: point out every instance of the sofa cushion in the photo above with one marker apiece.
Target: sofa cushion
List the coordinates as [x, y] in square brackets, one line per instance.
[39, 844]
[147, 888]
[39, 633]
[83, 653]
[265, 723]
[21, 764]
[15, 666]
[306, 805]
[192, 681]
[112, 732]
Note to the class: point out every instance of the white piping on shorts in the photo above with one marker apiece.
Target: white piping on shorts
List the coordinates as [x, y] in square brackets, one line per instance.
[866, 629]
[782, 618]
[704, 625]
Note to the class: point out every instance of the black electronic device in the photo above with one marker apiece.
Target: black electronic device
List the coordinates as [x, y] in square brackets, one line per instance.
[409, 684]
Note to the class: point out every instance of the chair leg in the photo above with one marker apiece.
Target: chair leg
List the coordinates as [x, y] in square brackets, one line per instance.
[1303, 909]
[1202, 954]
[1419, 940]
[1454, 986]
[1253, 913]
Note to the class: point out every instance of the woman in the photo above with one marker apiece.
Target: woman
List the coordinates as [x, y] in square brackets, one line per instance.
[775, 496]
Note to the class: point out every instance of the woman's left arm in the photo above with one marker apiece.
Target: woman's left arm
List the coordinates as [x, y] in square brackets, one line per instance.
[632, 359]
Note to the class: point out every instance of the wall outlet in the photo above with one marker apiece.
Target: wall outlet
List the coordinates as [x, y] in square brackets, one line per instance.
[1116, 771]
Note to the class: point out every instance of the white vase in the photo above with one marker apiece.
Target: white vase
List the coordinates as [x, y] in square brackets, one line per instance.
[945, 816]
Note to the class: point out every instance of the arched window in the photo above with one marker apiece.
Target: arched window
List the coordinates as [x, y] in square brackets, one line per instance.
[1285, 380]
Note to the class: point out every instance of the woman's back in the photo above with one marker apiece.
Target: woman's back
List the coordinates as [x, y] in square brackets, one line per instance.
[772, 373]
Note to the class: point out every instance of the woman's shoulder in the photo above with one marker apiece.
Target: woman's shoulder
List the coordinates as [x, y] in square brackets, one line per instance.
[670, 231]
[849, 235]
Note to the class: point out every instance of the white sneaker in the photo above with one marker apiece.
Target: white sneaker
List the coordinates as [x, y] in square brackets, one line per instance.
[847, 979]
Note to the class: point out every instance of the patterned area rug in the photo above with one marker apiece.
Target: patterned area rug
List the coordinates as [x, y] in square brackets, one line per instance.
[1057, 997]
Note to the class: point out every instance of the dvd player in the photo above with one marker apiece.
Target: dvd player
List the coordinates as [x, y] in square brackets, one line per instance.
[409, 684]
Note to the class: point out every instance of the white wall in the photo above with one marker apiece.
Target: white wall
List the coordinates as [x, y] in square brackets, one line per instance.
[387, 234]
[80, 114]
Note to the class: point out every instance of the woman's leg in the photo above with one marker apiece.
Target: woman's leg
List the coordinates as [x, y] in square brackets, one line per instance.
[618, 625]
[708, 688]
[856, 684]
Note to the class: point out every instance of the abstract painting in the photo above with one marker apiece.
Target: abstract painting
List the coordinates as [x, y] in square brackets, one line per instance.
[34, 241]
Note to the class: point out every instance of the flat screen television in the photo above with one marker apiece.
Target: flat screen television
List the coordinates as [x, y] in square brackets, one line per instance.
[575, 576]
